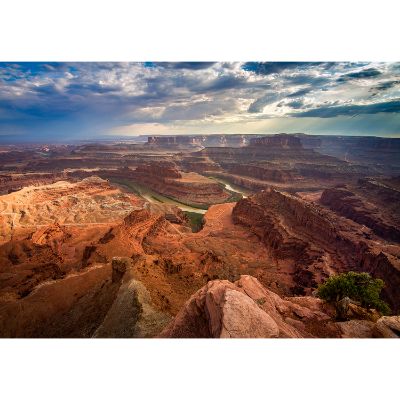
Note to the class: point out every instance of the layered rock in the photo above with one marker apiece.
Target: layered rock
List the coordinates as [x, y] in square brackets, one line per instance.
[314, 243]
[190, 188]
[381, 153]
[174, 141]
[160, 169]
[199, 140]
[280, 161]
[352, 206]
[277, 141]
[89, 201]
[126, 280]
[265, 173]
[12, 182]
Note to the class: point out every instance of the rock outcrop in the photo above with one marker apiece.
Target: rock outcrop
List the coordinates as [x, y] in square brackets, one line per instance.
[187, 187]
[132, 314]
[246, 309]
[81, 258]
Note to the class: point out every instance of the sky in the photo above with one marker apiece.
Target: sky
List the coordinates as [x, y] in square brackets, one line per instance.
[48, 101]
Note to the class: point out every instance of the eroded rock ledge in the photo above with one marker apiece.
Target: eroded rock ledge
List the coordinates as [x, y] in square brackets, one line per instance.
[316, 242]
[246, 309]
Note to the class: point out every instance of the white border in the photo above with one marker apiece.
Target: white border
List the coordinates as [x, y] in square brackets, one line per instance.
[118, 30]
[213, 30]
[199, 369]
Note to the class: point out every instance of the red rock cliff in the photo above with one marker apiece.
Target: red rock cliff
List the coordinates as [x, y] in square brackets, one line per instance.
[316, 241]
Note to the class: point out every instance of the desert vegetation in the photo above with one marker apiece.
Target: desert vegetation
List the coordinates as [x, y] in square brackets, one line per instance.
[357, 287]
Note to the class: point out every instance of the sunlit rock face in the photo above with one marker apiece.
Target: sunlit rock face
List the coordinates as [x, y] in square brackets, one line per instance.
[246, 309]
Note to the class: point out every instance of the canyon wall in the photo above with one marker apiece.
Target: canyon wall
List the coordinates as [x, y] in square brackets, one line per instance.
[13, 182]
[277, 141]
[318, 242]
[349, 205]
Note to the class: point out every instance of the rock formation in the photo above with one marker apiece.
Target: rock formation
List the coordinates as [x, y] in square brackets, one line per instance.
[86, 249]
[12, 182]
[312, 243]
[381, 153]
[280, 161]
[246, 309]
[351, 205]
[89, 201]
[277, 141]
[190, 188]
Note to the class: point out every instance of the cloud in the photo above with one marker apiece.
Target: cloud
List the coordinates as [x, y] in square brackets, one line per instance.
[226, 82]
[363, 74]
[78, 99]
[351, 110]
[386, 85]
[300, 93]
[259, 104]
[267, 68]
[185, 65]
[307, 79]
[296, 104]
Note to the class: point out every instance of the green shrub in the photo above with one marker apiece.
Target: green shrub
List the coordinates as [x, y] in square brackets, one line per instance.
[360, 287]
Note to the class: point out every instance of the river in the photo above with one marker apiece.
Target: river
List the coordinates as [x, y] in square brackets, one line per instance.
[157, 198]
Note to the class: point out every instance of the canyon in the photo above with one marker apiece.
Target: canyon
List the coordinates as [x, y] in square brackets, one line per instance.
[195, 236]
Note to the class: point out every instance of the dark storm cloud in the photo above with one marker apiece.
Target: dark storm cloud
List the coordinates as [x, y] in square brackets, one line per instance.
[92, 88]
[296, 104]
[386, 85]
[300, 93]
[363, 74]
[304, 79]
[185, 65]
[267, 68]
[46, 90]
[196, 84]
[351, 110]
[258, 105]
[228, 82]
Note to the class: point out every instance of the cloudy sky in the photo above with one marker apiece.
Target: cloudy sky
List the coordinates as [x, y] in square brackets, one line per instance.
[67, 101]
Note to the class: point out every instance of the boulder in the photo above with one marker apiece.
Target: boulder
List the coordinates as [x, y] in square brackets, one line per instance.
[242, 318]
[244, 309]
[356, 329]
[388, 327]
